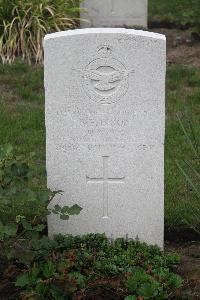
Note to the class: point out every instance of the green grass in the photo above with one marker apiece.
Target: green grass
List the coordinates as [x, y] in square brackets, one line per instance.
[22, 124]
[182, 207]
[175, 11]
[22, 108]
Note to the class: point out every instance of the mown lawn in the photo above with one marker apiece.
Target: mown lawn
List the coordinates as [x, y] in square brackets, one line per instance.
[22, 124]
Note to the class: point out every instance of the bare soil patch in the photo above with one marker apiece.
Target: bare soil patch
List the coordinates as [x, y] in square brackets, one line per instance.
[182, 47]
[189, 268]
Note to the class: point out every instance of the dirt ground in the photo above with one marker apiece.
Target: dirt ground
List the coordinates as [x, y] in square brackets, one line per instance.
[182, 46]
[189, 268]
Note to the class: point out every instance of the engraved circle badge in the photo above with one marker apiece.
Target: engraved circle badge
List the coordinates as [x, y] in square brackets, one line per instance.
[105, 79]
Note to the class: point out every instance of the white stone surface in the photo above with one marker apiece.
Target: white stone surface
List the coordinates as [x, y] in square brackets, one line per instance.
[114, 13]
[105, 116]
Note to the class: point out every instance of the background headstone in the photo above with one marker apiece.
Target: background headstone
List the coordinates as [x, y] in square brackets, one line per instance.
[105, 118]
[114, 13]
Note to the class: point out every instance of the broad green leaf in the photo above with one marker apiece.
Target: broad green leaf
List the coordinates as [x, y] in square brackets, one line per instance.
[64, 217]
[10, 229]
[65, 209]
[26, 225]
[54, 212]
[57, 207]
[22, 280]
[74, 209]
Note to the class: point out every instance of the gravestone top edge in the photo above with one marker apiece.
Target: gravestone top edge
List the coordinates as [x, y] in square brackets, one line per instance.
[135, 32]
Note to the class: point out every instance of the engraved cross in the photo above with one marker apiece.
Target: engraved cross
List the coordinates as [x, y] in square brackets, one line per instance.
[105, 180]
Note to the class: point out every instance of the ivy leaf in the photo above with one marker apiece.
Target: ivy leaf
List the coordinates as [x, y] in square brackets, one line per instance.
[65, 209]
[54, 212]
[57, 208]
[64, 217]
[26, 225]
[74, 209]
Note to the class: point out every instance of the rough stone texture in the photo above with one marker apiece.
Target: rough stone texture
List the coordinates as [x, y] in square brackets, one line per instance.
[105, 117]
[114, 13]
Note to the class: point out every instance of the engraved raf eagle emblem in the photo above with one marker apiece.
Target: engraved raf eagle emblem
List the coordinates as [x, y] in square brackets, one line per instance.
[105, 80]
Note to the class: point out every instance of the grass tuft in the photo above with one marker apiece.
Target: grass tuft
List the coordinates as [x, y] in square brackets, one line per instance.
[24, 23]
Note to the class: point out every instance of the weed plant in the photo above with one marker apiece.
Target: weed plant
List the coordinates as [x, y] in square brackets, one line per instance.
[67, 267]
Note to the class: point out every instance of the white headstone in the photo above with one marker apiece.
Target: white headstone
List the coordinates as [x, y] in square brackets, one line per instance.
[114, 13]
[105, 117]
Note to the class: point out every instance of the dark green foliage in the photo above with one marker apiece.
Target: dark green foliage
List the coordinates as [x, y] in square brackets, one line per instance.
[66, 211]
[65, 265]
[24, 205]
[22, 198]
